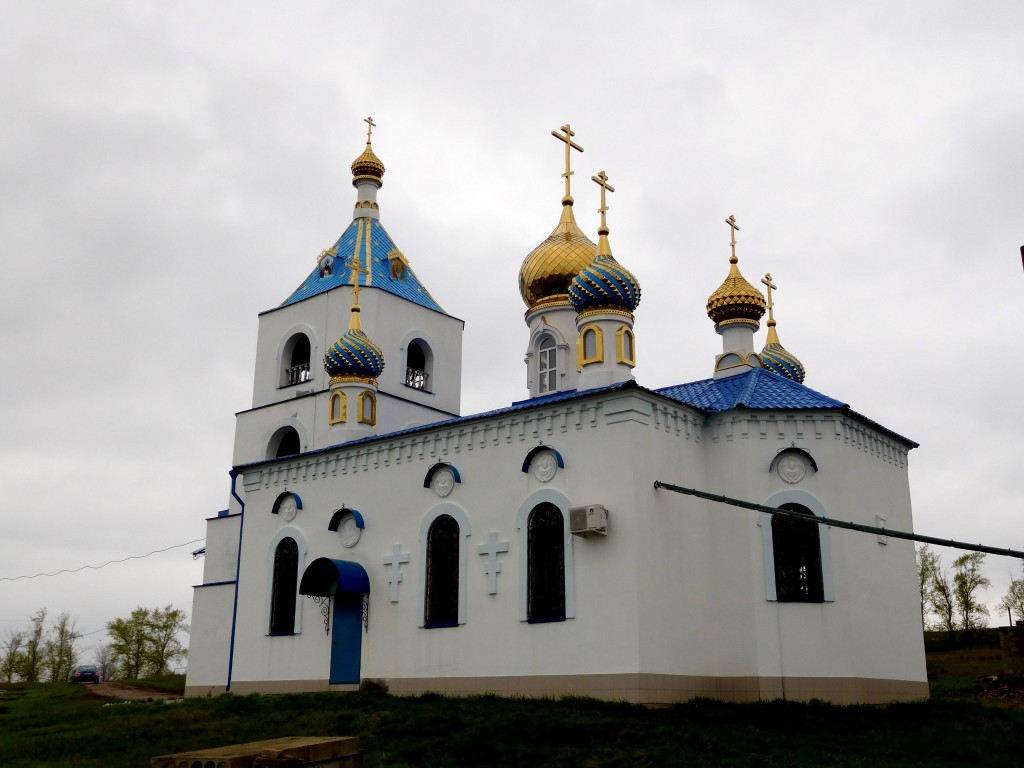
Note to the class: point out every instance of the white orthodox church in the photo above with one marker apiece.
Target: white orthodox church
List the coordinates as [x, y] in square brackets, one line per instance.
[377, 536]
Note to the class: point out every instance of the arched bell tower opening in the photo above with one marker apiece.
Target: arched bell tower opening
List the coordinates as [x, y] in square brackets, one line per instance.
[419, 362]
[284, 442]
[295, 360]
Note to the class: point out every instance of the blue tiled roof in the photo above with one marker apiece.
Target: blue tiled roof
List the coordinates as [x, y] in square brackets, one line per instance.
[374, 244]
[760, 389]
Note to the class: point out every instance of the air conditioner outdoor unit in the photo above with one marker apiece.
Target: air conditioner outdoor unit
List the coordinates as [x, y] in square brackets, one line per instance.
[588, 520]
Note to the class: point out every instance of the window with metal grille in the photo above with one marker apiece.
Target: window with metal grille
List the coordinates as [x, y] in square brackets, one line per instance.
[441, 607]
[282, 596]
[546, 564]
[547, 368]
[797, 550]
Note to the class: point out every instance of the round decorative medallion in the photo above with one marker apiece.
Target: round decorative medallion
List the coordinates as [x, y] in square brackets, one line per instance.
[544, 466]
[443, 482]
[349, 530]
[287, 509]
[792, 467]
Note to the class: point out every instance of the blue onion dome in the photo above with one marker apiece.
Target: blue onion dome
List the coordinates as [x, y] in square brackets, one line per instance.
[355, 355]
[367, 166]
[604, 283]
[778, 359]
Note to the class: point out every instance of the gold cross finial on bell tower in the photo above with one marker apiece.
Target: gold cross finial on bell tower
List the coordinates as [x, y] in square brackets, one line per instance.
[370, 125]
[566, 136]
[731, 221]
[357, 269]
[602, 181]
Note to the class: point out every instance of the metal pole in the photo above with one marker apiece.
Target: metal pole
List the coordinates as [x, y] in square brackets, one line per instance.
[841, 523]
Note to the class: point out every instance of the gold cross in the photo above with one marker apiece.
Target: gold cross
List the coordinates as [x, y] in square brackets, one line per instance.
[767, 280]
[370, 125]
[731, 221]
[566, 136]
[356, 266]
[602, 181]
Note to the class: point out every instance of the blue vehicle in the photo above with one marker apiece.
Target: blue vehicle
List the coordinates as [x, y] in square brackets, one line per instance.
[86, 674]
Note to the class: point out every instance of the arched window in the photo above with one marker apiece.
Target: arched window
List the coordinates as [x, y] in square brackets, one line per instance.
[547, 366]
[797, 552]
[339, 406]
[295, 361]
[367, 408]
[442, 577]
[545, 564]
[590, 347]
[625, 346]
[418, 362]
[283, 591]
[285, 442]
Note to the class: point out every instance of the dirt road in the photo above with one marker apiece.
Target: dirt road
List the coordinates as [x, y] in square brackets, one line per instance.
[121, 692]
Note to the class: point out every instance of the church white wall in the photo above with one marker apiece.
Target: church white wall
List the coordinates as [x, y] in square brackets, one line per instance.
[391, 497]
[872, 629]
[676, 588]
[209, 638]
[221, 556]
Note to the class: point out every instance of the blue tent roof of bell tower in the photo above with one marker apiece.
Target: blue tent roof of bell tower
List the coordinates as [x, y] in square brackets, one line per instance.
[366, 239]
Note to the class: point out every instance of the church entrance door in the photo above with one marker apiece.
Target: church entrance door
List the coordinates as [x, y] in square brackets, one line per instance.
[347, 585]
[346, 637]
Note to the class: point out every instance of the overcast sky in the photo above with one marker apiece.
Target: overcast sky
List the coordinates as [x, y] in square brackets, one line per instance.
[169, 170]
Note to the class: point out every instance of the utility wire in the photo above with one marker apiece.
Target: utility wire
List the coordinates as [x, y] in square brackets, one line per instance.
[97, 567]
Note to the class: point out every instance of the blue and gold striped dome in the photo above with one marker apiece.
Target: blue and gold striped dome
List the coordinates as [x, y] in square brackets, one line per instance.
[778, 359]
[604, 284]
[354, 355]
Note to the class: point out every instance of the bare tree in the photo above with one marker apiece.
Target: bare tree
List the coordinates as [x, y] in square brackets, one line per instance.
[942, 601]
[967, 580]
[928, 564]
[10, 655]
[31, 660]
[1013, 600]
[105, 661]
[60, 653]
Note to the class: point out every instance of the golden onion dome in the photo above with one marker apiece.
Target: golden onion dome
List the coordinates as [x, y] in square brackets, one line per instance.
[367, 166]
[736, 301]
[549, 269]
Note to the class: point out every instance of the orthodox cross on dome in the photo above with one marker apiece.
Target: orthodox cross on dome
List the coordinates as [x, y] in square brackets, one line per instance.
[767, 280]
[602, 182]
[566, 135]
[395, 560]
[492, 549]
[731, 221]
[370, 125]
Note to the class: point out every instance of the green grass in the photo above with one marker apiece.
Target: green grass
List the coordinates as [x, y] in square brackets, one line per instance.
[66, 725]
[166, 683]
